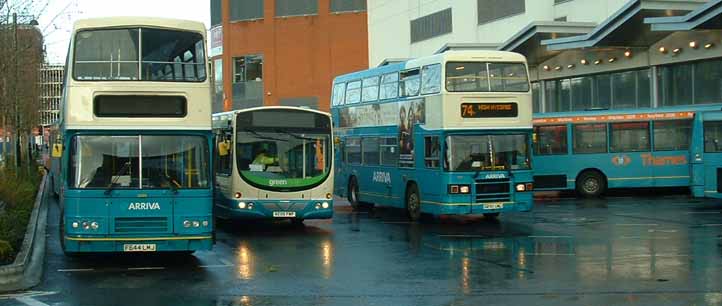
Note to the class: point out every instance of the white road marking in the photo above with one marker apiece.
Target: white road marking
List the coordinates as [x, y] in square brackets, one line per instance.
[146, 268]
[225, 262]
[75, 270]
[637, 224]
[702, 212]
[397, 222]
[551, 237]
[462, 236]
[710, 225]
[661, 231]
[215, 266]
[30, 301]
[549, 254]
[26, 294]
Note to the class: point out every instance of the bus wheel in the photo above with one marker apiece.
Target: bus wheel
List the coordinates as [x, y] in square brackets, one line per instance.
[591, 184]
[413, 203]
[353, 193]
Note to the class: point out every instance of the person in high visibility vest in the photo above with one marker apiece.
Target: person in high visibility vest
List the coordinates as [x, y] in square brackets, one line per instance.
[264, 158]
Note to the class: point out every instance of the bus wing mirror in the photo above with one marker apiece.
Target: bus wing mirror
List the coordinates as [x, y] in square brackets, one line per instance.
[57, 150]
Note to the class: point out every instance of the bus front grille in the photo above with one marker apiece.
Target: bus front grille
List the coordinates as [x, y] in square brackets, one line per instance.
[284, 206]
[497, 190]
[141, 225]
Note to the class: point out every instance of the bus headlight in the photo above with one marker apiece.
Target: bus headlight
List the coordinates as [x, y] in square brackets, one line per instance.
[520, 187]
[205, 223]
[242, 205]
[329, 196]
[196, 224]
[324, 205]
[186, 224]
[75, 224]
[250, 205]
[86, 225]
[459, 189]
[94, 225]
[318, 206]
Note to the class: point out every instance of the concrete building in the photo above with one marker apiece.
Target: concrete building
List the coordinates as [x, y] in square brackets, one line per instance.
[582, 53]
[284, 52]
[51, 91]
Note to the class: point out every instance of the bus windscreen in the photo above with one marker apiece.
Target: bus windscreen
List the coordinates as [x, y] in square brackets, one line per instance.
[486, 77]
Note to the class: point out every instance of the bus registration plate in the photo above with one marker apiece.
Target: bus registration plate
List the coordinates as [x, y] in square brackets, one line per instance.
[139, 248]
[494, 206]
[284, 214]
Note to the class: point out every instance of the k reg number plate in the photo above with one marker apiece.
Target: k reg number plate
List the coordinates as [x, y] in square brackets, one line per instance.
[284, 214]
[494, 206]
[139, 248]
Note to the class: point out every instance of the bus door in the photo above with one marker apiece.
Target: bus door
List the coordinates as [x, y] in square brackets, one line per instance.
[670, 161]
[712, 156]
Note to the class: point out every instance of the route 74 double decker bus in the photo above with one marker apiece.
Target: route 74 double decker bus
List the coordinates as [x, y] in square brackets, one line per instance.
[274, 162]
[444, 134]
[131, 158]
[592, 151]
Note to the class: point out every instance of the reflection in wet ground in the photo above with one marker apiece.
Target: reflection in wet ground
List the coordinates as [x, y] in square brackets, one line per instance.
[649, 250]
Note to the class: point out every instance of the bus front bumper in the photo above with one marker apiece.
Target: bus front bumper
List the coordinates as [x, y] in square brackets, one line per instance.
[138, 244]
[524, 203]
[268, 209]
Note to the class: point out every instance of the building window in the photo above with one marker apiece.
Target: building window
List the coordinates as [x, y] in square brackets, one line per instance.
[339, 6]
[551, 140]
[590, 138]
[246, 9]
[310, 102]
[619, 90]
[490, 10]
[247, 68]
[691, 83]
[672, 135]
[216, 13]
[296, 7]
[430, 26]
[536, 97]
[629, 137]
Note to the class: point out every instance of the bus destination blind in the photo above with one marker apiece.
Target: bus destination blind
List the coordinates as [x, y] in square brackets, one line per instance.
[489, 110]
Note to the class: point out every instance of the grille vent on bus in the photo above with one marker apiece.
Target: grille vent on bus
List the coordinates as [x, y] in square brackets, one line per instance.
[141, 225]
[496, 190]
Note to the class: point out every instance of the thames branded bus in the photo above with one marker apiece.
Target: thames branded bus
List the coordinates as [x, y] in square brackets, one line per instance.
[131, 158]
[592, 151]
[444, 134]
[274, 163]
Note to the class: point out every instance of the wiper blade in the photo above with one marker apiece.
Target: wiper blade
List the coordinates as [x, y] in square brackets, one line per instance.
[173, 184]
[122, 170]
[259, 136]
[294, 135]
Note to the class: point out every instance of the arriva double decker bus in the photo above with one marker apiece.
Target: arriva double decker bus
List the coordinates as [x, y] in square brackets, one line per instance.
[592, 151]
[131, 155]
[444, 134]
[274, 162]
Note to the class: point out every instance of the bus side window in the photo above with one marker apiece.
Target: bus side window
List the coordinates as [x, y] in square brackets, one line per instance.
[550, 140]
[431, 152]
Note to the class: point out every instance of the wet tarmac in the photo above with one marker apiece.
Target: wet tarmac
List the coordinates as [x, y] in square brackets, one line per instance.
[618, 251]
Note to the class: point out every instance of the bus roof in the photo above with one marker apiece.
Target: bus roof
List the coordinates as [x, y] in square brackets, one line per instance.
[598, 112]
[462, 55]
[109, 22]
[270, 107]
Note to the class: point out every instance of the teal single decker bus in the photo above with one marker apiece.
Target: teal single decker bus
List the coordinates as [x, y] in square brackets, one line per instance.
[448, 134]
[593, 151]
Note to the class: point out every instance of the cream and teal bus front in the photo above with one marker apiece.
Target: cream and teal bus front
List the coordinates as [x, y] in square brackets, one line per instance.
[132, 156]
[279, 167]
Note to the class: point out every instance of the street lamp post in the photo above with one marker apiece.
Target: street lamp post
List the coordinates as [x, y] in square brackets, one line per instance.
[16, 141]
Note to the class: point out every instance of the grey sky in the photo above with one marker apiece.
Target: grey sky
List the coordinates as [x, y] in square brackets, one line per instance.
[58, 18]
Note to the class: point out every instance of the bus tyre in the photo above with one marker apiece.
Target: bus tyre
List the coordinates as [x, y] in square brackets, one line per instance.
[413, 203]
[591, 184]
[353, 193]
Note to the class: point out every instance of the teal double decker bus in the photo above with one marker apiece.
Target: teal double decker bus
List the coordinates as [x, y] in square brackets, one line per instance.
[131, 154]
[448, 134]
[596, 150]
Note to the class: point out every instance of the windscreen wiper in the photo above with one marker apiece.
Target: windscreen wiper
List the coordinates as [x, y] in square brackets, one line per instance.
[173, 185]
[294, 135]
[122, 170]
[259, 136]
